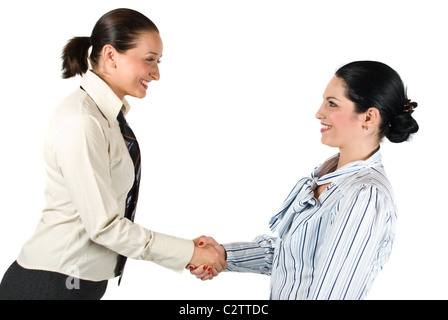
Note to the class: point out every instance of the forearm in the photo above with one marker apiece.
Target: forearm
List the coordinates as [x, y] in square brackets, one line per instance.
[134, 241]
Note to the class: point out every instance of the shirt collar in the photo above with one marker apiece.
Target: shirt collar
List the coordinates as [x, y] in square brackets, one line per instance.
[325, 173]
[104, 97]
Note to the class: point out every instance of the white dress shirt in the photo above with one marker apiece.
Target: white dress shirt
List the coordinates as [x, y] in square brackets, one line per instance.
[89, 173]
[327, 248]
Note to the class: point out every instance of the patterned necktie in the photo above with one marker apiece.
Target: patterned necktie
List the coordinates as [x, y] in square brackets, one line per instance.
[132, 197]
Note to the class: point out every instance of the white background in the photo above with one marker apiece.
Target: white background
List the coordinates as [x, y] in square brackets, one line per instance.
[230, 127]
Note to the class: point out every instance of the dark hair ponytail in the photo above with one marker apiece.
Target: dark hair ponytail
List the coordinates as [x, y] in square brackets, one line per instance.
[75, 57]
[119, 28]
[374, 84]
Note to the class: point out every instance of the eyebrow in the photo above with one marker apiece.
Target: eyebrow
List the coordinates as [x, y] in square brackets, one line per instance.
[152, 52]
[328, 98]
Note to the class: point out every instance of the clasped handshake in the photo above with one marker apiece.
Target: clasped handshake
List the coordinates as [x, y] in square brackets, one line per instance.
[209, 258]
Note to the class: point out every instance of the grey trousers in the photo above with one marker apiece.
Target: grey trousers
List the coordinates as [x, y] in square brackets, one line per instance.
[24, 284]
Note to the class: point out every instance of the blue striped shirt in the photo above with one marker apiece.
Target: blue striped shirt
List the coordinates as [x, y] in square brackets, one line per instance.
[327, 248]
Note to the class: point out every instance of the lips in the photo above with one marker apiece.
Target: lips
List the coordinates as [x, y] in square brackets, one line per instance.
[325, 127]
[144, 83]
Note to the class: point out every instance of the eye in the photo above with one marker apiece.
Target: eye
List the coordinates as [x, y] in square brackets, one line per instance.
[332, 104]
[152, 60]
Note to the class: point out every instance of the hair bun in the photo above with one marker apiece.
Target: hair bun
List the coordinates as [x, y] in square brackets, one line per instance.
[403, 125]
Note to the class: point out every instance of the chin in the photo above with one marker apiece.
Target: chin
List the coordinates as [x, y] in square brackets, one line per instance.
[139, 95]
[328, 143]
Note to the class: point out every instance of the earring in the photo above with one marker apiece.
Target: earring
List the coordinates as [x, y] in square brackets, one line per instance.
[365, 127]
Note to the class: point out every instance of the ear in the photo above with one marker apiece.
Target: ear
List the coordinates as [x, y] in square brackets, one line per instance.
[371, 117]
[110, 56]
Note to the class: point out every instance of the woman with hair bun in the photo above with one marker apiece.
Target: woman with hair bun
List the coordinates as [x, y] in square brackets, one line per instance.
[93, 173]
[336, 227]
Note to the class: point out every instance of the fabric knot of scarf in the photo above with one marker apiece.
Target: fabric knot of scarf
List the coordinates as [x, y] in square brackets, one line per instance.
[300, 198]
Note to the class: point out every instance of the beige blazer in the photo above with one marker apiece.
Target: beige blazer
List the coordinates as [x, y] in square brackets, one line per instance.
[88, 175]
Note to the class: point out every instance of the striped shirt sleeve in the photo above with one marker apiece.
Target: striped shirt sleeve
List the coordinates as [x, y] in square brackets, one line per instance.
[253, 257]
[356, 245]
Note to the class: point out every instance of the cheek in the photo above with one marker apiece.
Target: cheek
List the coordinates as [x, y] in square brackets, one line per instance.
[136, 70]
[345, 123]
[133, 69]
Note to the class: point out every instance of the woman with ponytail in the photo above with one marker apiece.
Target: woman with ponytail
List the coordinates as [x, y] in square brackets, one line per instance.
[92, 157]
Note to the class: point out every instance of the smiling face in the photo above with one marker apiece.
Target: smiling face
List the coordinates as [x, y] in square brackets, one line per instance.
[341, 126]
[129, 73]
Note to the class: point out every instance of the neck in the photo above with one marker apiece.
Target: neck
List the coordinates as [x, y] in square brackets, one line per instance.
[107, 78]
[348, 155]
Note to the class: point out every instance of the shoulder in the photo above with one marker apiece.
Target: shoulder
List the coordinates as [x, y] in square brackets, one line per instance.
[78, 106]
[369, 188]
[77, 103]
[77, 113]
[373, 177]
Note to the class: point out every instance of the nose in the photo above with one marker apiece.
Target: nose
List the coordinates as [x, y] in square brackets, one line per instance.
[155, 73]
[319, 113]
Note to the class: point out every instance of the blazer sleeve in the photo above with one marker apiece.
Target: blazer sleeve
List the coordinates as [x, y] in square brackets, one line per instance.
[82, 156]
